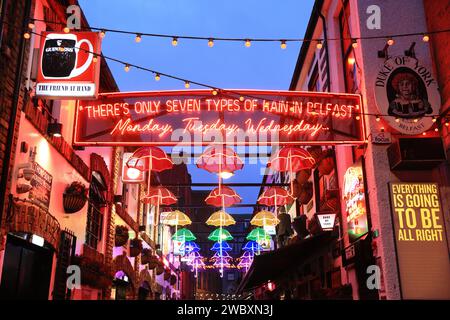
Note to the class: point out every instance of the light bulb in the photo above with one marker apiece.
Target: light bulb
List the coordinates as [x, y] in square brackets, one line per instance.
[31, 25]
[397, 119]
[133, 173]
[377, 119]
[157, 77]
[354, 44]
[358, 117]
[102, 34]
[283, 44]
[241, 98]
[94, 59]
[319, 45]
[27, 35]
[248, 43]
[424, 133]
[390, 41]
[174, 41]
[434, 119]
[416, 120]
[351, 61]
[127, 68]
[210, 43]
[214, 92]
[426, 38]
[226, 174]
[138, 38]
[66, 29]
[187, 84]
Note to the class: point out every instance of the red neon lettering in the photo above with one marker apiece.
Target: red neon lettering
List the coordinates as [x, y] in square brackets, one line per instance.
[187, 105]
[125, 127]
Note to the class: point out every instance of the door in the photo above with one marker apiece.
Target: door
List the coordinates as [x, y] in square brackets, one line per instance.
[26, 270]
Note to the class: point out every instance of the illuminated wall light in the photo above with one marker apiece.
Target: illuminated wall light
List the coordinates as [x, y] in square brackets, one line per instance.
[102, 34]
[210, 43]
[354, 43]
[127, 68]
[175, 41]
[283, 44]
[66, 29]
[27, 35]
[390, 42]
[157, 77]
[187, 84]
[248, 43]
[319, 44]
[138, 38]
[425, 38]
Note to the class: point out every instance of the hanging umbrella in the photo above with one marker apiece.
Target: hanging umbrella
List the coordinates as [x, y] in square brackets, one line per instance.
[189, 247]
[150, 159]
[275, 196]
[221, 246]
[159, 195]
[264, 218]
[252, 246]
[247, 255]
[223, 196]
[220, 218]
[177, 218]
[220, 235]
[183, 235]
[220, 255]
[219, 159]
[258, 234]
[291, 159]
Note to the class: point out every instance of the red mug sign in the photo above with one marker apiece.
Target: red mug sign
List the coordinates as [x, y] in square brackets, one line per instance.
[197, 117]
[66, 65]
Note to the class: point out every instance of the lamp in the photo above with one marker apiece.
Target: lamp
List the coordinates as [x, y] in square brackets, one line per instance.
[54, 129]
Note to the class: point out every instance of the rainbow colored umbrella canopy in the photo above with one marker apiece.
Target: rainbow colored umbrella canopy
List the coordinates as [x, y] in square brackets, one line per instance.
[252, 246]
[218, 246]
[220, 218]
[265, 218]
[189, 247]
[220, 235]
[258, 234]
[184, 235]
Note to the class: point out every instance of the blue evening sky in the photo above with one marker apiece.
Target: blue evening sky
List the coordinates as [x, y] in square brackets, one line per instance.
[226, 65]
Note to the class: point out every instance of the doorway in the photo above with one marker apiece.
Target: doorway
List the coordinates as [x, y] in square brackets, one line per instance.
[26, 269]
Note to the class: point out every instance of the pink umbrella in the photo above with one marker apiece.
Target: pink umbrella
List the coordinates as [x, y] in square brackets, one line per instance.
[218, 159]
[223, 196]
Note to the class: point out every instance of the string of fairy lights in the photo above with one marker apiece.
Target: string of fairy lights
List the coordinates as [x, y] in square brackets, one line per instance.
[390, 41]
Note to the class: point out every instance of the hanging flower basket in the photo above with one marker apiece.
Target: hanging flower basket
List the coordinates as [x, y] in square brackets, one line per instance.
[74, 197]
[146, 256]
[135, 247]
[121, 237]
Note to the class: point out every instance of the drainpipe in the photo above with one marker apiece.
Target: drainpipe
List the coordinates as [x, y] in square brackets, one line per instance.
[324, 24]
[15, 107]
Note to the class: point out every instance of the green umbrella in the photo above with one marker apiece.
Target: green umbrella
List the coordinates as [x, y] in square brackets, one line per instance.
[258, 234]
[220, 235]
[184, 235]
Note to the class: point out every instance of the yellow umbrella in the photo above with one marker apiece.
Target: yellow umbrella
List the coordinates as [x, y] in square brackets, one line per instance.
[265, 218]
[177, 218]
[220, 219]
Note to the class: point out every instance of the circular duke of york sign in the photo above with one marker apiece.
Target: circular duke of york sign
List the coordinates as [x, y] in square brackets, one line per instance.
[406, 90]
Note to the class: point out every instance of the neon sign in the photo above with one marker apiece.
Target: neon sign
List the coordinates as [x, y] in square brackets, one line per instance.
[196, 117]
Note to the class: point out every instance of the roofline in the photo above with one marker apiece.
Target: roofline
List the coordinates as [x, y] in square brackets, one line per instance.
[305, 45]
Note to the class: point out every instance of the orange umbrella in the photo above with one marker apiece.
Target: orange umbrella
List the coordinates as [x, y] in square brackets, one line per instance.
[275, 196]
[223, 196]
[159, 195]
[218, 159]
[150, 159]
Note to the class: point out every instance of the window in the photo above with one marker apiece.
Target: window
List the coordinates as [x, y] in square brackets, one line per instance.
[97, 201]
[348, 56]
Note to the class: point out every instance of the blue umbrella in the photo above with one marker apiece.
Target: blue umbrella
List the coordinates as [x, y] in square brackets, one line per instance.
[224, 246]
[189, 246]
[252, 246]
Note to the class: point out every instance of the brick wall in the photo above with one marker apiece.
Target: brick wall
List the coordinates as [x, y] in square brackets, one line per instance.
[9, 53]
[437, 19]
